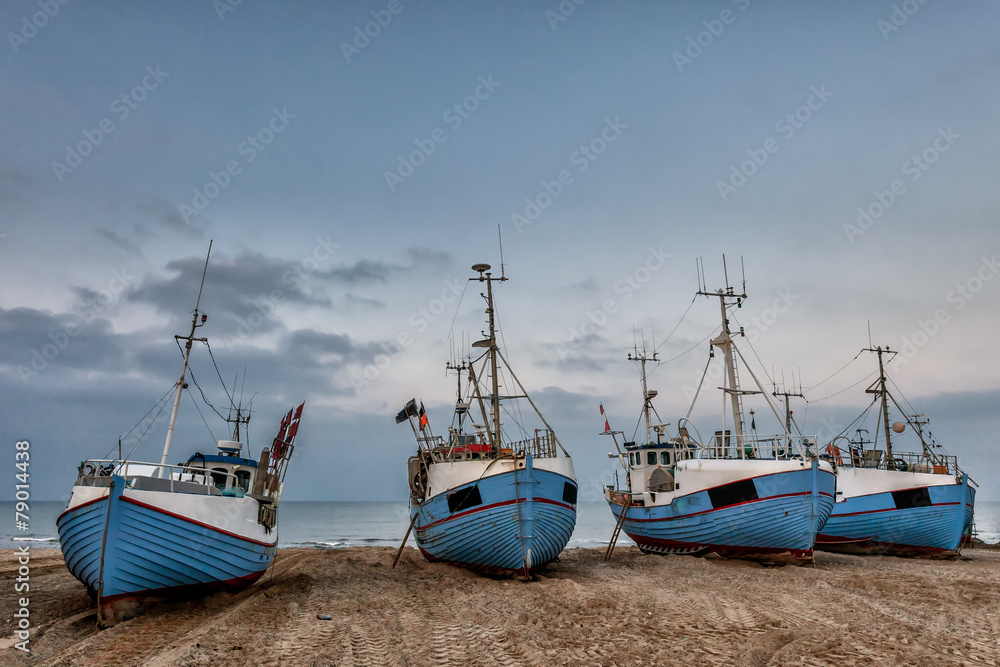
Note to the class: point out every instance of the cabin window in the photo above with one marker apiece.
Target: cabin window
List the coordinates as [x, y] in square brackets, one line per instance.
[651, 458]
[569, 493]
[664, 458]
[243, 479]
[219, 476]
[464, 499]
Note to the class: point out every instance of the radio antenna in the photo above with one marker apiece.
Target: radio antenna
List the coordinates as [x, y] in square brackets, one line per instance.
[500, 237]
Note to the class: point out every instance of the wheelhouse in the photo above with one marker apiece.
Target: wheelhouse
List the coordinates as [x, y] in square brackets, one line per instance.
[231, 474]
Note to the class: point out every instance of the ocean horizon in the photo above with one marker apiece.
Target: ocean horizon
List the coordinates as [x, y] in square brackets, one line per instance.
[341, 524]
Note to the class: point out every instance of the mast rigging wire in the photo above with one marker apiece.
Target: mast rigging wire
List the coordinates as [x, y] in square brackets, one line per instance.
[148, 426]
[676, 325]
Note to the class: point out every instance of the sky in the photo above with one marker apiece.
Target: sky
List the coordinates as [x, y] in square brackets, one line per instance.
[349, 163]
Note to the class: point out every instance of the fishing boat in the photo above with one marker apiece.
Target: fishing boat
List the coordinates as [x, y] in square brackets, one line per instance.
[739, 494]
[893, 502]
[135, 530]
[490, 496]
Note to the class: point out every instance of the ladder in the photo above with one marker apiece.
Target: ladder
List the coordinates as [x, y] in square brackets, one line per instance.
[739, 397]
[618, 527]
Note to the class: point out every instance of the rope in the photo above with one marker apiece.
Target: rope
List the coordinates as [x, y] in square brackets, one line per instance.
[843, 390]
[172, 387]
[698, 390]
[677, 325]
[151, 422]
[841, 368]
[859, 418]
[756, 356]
[457, 308]
[202, 416]
[231, 397]
[710, 334]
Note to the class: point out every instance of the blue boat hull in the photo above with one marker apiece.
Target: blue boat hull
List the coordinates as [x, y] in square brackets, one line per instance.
[781, 523]
[520, 526]
[150, 552]
[923, 521]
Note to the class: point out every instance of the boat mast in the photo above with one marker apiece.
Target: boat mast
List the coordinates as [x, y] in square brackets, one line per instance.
[485, 276]
[883, 392]
[646, 394]
[725, 341]
[918, 425]
[187, 355]
[787, 395]
[460, 410]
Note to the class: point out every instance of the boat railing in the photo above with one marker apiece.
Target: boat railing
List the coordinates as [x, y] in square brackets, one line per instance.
[541, 445]
[773, 447]
[940, 464]
[145, 476]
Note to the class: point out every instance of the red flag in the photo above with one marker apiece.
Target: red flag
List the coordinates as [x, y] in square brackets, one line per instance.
[607, 426]
[292, 430]
[423, 417]
[284, 425]
[298, 411]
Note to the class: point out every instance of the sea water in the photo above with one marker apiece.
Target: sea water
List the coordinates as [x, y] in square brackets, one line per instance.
[333, 525]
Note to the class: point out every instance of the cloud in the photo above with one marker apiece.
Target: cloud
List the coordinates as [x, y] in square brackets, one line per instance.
[312, 344]
[119, 240]
[36, 340]
[164, 214]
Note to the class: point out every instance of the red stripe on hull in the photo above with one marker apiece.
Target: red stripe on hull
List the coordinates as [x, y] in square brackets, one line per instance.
[716, 509]
[80, 506]
[494, 505]
[230, 585]
[869, 547]
[197, 523]
[483, 569]
[796, 556]
[892, 509]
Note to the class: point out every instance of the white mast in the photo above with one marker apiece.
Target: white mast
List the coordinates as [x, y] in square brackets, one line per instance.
[647, 395]
[725, 341]
[491, 343]
[187, 355]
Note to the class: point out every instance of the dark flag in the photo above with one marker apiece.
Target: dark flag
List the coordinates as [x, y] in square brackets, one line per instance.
[423, 417]
[409, 410]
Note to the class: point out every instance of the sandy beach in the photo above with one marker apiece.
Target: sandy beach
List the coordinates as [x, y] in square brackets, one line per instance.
[634, 610]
